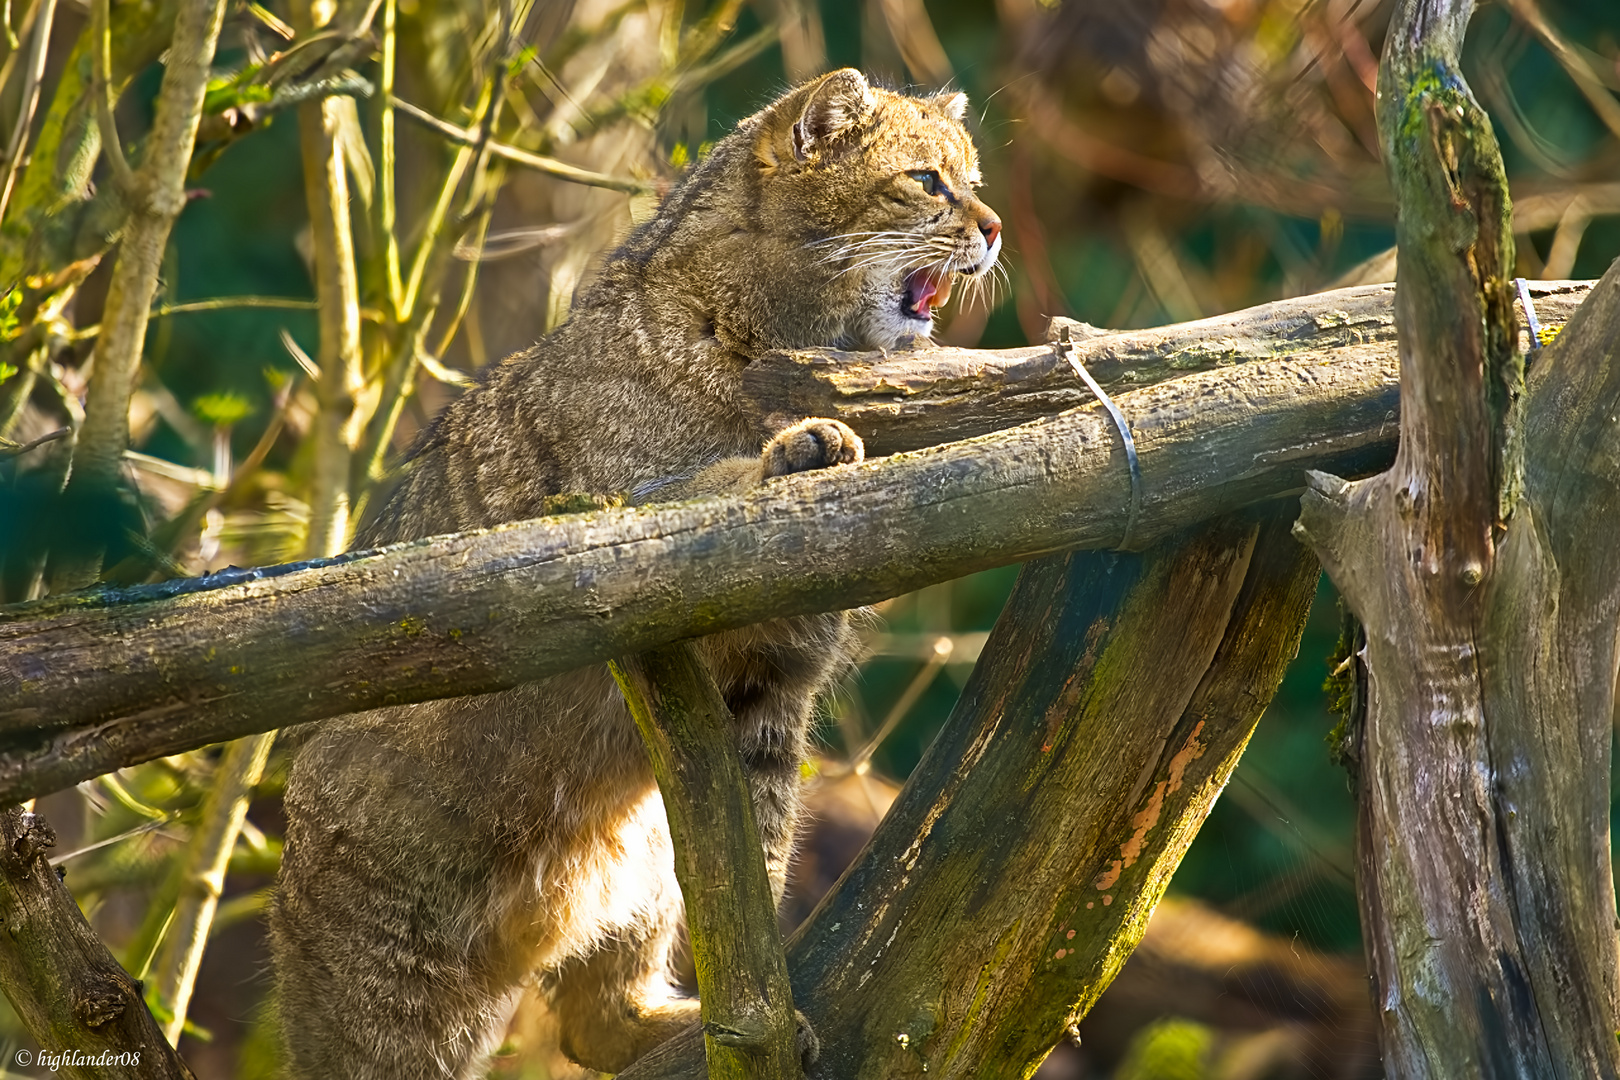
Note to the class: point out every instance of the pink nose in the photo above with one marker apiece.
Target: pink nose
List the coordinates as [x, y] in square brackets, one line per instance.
[991, 230]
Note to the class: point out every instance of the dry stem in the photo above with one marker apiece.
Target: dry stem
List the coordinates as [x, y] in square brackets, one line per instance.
[156, 197]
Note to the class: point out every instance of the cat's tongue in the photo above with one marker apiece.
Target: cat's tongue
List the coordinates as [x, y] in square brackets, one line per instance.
[926, 289]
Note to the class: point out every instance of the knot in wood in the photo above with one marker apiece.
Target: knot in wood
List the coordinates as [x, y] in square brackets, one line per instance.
[37, 836]
[746, 1033]
[101, 1000]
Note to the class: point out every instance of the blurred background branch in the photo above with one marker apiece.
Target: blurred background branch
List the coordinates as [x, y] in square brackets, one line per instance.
[1155, 161]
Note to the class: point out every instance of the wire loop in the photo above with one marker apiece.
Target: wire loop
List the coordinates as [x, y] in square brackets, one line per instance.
[1124, 430]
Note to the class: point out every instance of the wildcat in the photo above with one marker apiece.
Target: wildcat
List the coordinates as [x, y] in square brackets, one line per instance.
[440, 857]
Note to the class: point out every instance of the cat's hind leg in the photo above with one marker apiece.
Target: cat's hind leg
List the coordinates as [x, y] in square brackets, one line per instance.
[389, 964]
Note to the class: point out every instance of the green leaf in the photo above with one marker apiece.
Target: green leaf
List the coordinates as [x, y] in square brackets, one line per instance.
[233, 91]
[9, 323]
[521, 60]
[222, 410]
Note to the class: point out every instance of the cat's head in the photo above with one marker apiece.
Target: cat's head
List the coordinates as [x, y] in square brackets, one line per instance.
[878, 188]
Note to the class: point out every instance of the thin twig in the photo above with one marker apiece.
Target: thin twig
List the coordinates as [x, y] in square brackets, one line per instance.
[101, 90]
[168, 538]
[203, 879]
[15, 52]
[9, 449]
[387, 213]
[432, 254]
[469, 282]
[30, 99]
[1590, 86]
[160, 187]
[127, 834]
[538, 162]
[861, 760]
[441, 205]
[217, 303]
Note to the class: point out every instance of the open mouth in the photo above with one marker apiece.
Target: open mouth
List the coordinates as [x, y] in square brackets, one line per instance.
[925, 290]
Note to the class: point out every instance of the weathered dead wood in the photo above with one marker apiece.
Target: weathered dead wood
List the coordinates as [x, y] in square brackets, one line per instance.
[1019, 866]
[1484, 569]
[94, 681]
[750, 1030]
[908, 400]
[57, 974]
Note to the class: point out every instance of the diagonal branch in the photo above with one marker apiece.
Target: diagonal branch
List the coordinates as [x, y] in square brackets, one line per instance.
[102, 91]
[59, 976]
[38, 51]
[538, 162]
[1017, 870]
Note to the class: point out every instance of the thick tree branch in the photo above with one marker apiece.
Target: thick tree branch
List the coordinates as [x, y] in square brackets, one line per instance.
[907, 400]
[91, 683]
[64, 984]
[749, 1026]
[1083, 755]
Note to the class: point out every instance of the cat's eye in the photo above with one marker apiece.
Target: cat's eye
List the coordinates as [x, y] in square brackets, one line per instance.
[929, 179]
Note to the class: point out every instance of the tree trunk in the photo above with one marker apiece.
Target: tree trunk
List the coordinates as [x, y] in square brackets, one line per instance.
[1484, 570]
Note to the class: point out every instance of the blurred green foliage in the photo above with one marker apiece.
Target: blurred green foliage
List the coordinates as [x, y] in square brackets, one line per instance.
[1153, 162]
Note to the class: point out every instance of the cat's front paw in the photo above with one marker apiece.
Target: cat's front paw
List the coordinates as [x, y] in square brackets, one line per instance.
[812, 444]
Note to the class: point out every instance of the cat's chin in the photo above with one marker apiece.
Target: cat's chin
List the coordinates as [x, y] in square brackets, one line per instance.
[889, 333]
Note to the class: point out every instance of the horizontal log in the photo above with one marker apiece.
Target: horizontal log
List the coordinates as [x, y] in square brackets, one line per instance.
[94, 681]
[907, 400]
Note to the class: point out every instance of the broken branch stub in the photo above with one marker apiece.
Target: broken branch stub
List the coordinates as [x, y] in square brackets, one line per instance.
[1486, 891]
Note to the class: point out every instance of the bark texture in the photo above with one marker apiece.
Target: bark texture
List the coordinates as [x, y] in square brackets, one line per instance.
[907, 400]
[1019, 866]
[64, 984]
[1483, 568]
[94, 681]
[749, 1026]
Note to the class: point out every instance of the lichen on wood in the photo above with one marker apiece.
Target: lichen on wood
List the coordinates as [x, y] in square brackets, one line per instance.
[1019, 866]
[58, 975]
[1489, 618]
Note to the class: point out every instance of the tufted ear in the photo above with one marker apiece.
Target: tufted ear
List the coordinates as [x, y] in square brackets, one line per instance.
[836, 103]
[953, 105]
